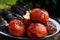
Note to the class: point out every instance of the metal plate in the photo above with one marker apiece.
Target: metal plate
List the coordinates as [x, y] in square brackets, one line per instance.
[50, 19]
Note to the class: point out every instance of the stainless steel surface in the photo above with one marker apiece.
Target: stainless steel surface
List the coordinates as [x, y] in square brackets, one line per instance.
[50, 19]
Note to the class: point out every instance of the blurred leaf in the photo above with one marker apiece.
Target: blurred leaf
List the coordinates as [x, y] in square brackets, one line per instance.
[4, 4]
[11, 2]
[31, 4]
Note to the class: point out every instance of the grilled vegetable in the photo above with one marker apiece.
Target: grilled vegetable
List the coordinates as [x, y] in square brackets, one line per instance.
[3, 23]
[7, 15]
[36, 30]
[19, 10]
[19, 17]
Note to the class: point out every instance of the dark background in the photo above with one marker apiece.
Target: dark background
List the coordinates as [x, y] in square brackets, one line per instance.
[52, 6]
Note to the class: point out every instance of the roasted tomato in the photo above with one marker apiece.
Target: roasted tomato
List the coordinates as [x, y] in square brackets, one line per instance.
[16, 28]
[38, 15]
[51, 28]
[27, 22]
[36, 30]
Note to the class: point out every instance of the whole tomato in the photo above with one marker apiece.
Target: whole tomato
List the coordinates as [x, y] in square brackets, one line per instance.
[36, 30]
[16, 28]
[39, 15]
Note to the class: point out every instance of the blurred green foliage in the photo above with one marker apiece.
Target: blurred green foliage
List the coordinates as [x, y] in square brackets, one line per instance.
[5, 4]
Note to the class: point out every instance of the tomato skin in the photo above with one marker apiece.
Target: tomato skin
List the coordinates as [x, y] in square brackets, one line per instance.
[51, 29]
[16, 28]
[38, 15]
[36, 30]
[27, 22]
[46, 17]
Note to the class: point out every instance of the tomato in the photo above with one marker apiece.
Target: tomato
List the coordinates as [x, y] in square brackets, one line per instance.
[38, 15]
[27, 22]
[16, 28]
[36, 30]
[50, 28]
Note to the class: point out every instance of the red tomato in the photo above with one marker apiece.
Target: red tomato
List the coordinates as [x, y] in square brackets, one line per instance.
[16, 28]
[27, 22]
[36, 30]
[38, 15]
[50, 28]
